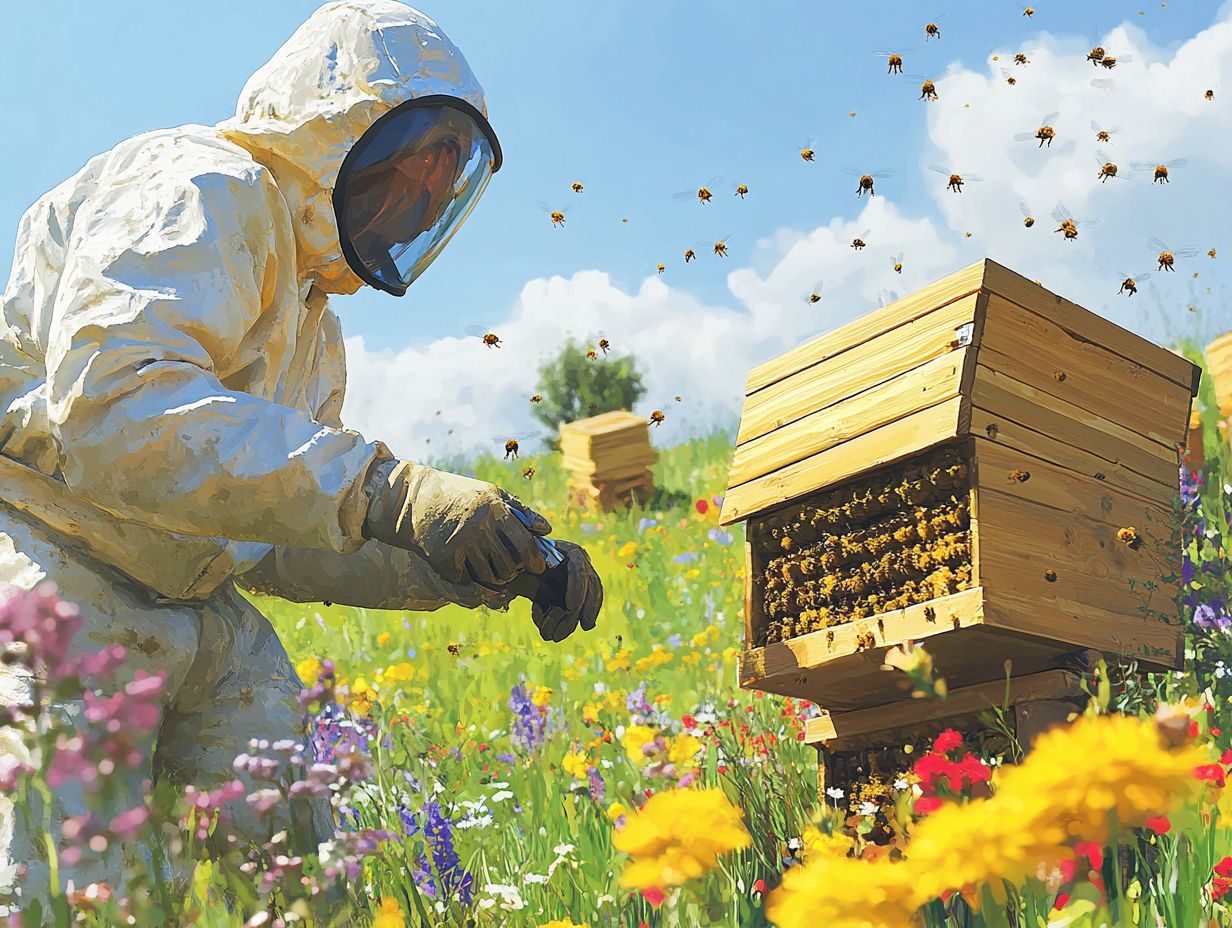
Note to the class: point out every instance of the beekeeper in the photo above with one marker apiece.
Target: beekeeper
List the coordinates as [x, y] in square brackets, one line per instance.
[171, 378]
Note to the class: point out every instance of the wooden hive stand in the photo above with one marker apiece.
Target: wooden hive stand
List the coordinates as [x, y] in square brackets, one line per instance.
[608, 458]
[1219, 366]
[983, 467]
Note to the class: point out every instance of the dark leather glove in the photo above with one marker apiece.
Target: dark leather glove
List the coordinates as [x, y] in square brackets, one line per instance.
[569, 595]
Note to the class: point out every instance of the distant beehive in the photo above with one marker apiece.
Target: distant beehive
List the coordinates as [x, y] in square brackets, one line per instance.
[958, 466]
[1219, 366]
[608, 458]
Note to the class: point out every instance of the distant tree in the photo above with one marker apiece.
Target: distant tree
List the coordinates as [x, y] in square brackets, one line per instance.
[575, 387]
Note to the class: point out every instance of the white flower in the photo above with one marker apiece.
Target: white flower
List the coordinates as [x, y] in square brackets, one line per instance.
[794, 844]
[901, 783]
[868, 808]
[600, 688]
[502, 795]
[510, 899]
[834, 792]
[536, 878]
[604, 900]
[605, 763]
[499, 785]
[563, 849]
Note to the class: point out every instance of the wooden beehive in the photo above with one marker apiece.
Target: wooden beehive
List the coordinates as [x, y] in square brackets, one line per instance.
[1046, 430]
[608, 458]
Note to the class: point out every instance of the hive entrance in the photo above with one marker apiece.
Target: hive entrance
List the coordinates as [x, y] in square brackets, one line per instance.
[899, 536]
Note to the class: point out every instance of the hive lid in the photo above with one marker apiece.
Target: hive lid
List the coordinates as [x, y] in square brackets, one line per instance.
[614, 421]
[899, 380]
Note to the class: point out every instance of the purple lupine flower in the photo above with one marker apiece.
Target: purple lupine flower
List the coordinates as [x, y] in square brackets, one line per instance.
[1210, 616]
[506, 758]
[1187, 569]
[438, 835]
[529, 723]
[598, 789]
[637, 703]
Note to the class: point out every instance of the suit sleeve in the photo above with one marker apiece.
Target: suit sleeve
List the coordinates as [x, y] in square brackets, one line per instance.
[166, 280]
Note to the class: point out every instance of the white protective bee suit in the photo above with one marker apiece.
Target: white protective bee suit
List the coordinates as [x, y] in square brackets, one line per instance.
[171, 377]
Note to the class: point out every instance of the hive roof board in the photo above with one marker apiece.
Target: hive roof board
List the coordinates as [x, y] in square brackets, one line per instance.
[979, 352]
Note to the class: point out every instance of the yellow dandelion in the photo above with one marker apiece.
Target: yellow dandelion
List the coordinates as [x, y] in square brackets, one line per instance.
[362, 696]
[678, 836]
[575, 765]
[541, 696]
[616, 810]
[683, 750]
[383, 639]
[389, 915]
[627, 550]
[590, 714]
[309, 671]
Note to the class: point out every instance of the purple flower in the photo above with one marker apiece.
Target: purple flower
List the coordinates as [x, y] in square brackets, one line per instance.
[529, 723]
[687, 557]
[1187, 569]
[1210, 616]
[645, 523]
[598, 789]
[718, 536]
[637, 703]
[438, 835]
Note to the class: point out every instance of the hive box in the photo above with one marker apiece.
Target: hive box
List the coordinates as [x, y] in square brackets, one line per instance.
[1019, 381]
[1219, 365]
[608, 457]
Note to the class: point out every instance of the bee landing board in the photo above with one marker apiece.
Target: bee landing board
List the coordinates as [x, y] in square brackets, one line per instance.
[957, 467]
[608, 458]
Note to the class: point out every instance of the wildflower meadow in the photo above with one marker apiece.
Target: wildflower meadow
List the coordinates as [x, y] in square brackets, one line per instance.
[480, 777]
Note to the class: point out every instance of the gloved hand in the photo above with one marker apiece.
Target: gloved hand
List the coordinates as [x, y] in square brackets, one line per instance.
[464, 528]
[582, 596]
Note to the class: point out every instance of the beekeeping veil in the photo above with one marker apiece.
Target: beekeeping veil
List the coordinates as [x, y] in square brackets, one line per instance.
[377, 133]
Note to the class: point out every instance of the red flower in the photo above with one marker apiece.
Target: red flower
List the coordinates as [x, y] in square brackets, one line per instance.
[1212, 772]
[947, 741]
[1224, 867]
[1226, 757]
[759, 887]
[1219, 887]
[926, 804]
[1193, 729]
[1159, 824]
[1062, 898]
[1069, 869]
[688, 722]
[702, 506]
[1092, 852]
[654, 896]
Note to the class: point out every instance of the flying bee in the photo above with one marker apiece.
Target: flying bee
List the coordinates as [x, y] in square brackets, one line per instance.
[1159, 170]
[1210, 95]
[529, 473]
[557, 216]
[809, 149]
[894, 59]
[1028, 11]
[1129, 282]
[1102, 134]
[955, 180]
[603, 344]
[511, 448]
[1045, 133]
[576, 187]
[931, 29]
[1167, 255]
[719, 246]
[591, 354]
[1021, 58]
[1009, 77]
[1106, 168]
[928, 87]
[1069, 226]
[704, 194]
[537, 398]
[688, 256]
[867, 181]
[453, 648]
[657, 417]
[1109, 62]
[660, 268]
[858, 242]
[489, 338]
[898, 263]
[1096, 55]
[1027, 219]
[1211, 253]
[742, 190]
[814, 295]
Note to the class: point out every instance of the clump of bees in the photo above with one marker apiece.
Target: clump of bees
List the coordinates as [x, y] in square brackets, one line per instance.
[898, 537]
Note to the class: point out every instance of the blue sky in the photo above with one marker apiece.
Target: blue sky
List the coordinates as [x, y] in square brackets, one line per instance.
[637, 101]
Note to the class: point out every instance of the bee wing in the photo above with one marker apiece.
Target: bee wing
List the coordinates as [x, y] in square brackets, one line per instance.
[1121, 58]
[476, 330]
[714, 181]
[939, 169]
[898, 258]
[1143, 165]
[1060, 213]
[1086, 223]
[1024, 136]
[865, 233]
[1096, 126]
[974, 178]
[884, 172]
[684, 195]
[1049, 119]
[1186, 252]
[1178, 163]
[1026, 210]
[1158, 243]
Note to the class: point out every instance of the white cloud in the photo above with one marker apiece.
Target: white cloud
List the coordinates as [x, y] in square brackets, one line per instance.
[704, 351]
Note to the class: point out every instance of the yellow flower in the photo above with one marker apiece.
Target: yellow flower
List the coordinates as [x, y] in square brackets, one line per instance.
[575, 765]
[383, 639]
[683, 751]
[572, 674]
[818, 842]
[619, 661]
[563, 923]
[616, 810]
[403, 672]
[663, 699]
[390, 915]
[678, 836]
[627, 550]
[590, 714]
[309, 670]
[844, 892]
[541, 696]
[692, 573]
[700, 640]
[362, 696]
[615, 699]
[635, 739]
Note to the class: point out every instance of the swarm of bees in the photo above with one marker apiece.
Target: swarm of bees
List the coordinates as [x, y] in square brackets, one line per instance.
[901, 536]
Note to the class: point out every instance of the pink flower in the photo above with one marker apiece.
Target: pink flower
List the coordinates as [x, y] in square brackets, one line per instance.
[11, 770]
[127, 825]
[654, 896]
